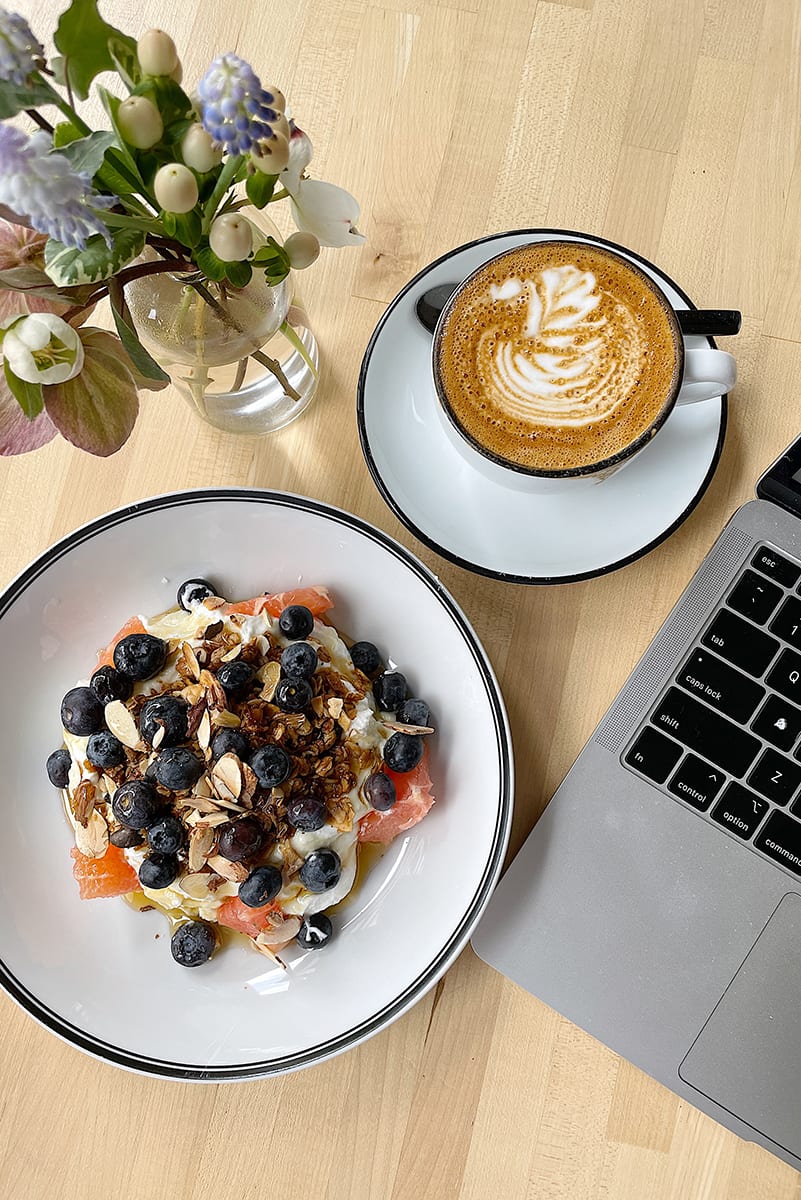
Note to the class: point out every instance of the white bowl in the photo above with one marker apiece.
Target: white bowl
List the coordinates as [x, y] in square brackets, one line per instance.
[99, 974]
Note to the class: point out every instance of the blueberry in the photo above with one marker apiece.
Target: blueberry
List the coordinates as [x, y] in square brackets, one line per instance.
[390, 691]
[58, 768]
[403, 751]
[167, 713]
[261, 886]
[296, 621]
[166, 835]
[365, 656]
[321, 870]
[380, 791]
[271, 765]
[292, 695]
[126, 838]
[414, 712]
[315, 932]
[107, 684]
[194, 591]
[158, 870]
[229, 741]
[177, 768]
[240, 839]
[104, 750]
[299, 660]
[193, 943]
[81, 712]
[307, 813]
[136, 804]
[235, 678]
[140, 655]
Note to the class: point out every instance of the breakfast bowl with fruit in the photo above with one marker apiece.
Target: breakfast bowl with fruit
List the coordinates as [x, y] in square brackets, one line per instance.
[257, 787]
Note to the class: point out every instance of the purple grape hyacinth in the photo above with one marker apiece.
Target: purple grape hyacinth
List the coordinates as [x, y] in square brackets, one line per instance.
[20, 53]
[44, 188]
[235, 108]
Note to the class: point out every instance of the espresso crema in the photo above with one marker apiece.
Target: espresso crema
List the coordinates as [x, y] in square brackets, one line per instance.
[557, 355]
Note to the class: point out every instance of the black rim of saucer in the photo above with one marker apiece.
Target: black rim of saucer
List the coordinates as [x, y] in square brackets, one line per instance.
[456, 939]
[450, 555]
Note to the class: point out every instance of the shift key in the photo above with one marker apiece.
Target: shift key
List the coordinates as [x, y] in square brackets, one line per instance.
[710, 735]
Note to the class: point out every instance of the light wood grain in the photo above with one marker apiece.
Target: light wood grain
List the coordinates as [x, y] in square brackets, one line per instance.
[672, 126]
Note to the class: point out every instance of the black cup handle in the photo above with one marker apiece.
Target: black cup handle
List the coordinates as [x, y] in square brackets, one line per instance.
[708, 322]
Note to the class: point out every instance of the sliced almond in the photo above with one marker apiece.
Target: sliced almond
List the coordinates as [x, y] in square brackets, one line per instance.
[201, 803]
[271, 675]
[279, 932]
[268, 953]
[122, 725]
[83, 802]
[196, 885]
[203, 787]
[92, 839]
[249, 785]
[190, 658]
[223, 719]
[235, 872]
[230, 805]
[401, 728]
[213, 602]
[317, 705]
[334, 706]
[158, 737]
[233, 653]
[226, 777]
[192, 693]
[344, 722]
[201, 840]
[195, 715]
[214, 689]
[204, 731]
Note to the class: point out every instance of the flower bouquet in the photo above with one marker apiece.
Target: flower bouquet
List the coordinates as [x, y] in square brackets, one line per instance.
[93, 214]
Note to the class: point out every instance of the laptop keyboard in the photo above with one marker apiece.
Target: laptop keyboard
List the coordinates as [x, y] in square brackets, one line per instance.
[725, 737]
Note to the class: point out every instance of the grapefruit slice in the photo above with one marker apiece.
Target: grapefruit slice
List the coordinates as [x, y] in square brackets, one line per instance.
[106, 657]
[316, 599]
[110, 875]
[235, 915]
[414, 801]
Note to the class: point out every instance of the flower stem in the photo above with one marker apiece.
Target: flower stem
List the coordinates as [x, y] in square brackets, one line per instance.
[220, 188]
[39, 120]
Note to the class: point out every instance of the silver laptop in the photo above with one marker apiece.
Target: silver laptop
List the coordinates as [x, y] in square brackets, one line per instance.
[657, 903]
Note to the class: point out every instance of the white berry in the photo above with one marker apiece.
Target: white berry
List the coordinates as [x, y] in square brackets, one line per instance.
[272, 154]
[140, 122]
[303, 249]
[199, 151]
[175, 188]
[278, 99]
[231, 237]
[157, 53]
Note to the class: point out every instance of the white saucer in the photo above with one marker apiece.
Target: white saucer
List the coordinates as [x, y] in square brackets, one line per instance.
[487, 527]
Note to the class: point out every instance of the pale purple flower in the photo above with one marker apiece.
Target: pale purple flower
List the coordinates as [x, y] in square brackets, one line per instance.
[20, 53]
[234, 107]
[44, 188]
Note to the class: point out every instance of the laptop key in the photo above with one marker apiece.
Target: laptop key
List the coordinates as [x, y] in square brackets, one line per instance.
[778, 722]
[738, 642]
[785, 676]
[787, 622]
[720, 685]
[739, 810]
[696, 782]
[727, 745]
[776, 777]
[780, 839]
[654, 755]
[775, 566]
[755, 597]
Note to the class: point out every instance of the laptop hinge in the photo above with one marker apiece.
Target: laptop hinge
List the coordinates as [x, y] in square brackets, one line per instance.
[781, 483]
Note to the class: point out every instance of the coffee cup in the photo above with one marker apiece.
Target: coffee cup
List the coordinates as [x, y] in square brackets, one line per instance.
[555, 363]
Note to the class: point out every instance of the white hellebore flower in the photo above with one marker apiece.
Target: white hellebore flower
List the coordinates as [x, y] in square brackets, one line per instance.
[327, 211]
[42, 348]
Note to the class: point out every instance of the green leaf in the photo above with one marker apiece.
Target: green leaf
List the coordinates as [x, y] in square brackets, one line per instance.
[64, 133]
[169, 98]
[208, 262]
[96, 410]
[83, 38]
[238, 274]
[271, 255]
[15, 99]
[125, 61]
[188, 228]
[28, 395]
[294, 340]
[88, 153]
[67, 266]
[31, 279]
[146, 366]
[259, 188]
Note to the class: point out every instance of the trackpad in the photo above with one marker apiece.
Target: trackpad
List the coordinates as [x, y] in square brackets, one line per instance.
[747, 1058]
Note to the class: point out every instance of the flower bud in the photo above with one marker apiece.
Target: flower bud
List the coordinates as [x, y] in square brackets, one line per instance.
[271, 154]
[303, 249]
[199, 151]
[140, 122]
[42, 348]
[278, 102]
[157, 53]
[231, 237]
[175, 188]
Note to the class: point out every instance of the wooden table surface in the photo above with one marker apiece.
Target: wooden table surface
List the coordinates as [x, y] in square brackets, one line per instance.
[672, 126]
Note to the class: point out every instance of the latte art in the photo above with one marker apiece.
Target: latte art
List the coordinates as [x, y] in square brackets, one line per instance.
[557, 355]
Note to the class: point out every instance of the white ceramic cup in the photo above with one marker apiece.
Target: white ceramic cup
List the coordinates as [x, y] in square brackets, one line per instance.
[705, 373]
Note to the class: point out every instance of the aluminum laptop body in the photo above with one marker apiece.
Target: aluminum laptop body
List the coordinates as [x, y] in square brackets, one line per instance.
[657, 902]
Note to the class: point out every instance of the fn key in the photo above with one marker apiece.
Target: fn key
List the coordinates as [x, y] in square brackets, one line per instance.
[654, 755]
